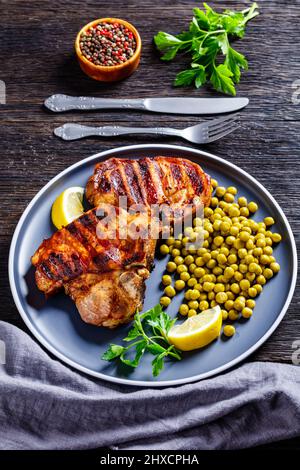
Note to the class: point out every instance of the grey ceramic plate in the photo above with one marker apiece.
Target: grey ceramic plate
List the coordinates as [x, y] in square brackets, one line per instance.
[57, 325]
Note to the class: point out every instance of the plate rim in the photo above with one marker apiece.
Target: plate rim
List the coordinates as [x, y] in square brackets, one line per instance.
[148, 383]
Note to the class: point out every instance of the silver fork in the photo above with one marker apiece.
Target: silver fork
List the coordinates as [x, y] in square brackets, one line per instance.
[203, 133]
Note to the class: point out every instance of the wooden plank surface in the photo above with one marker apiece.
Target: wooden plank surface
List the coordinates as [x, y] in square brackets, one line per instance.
[37, 60]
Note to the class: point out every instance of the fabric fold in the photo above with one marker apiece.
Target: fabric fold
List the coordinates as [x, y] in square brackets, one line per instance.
[46, 405]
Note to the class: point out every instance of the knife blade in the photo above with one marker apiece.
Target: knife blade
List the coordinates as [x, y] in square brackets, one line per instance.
[60, 103]
[195, 105]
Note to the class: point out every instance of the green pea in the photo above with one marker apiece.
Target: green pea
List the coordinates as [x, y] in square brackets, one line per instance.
[231, 259]
[214, 201]
[233, 315]
[166, 280]
[234, 230]
[229, 330]
[230, 240]
[189, 259]
[220, 191]
[250, 303]
[191, 282]
[221, 297]
[175, 252]
[171, 267]
[183, 309]
[221, 258]
[195, 294]
[242, 201]
[178, 260]
[179, 284]
[276, 237]
[203, 305]
[252, 206]
[170, 241]
[258, 288]
[193, 304]
[269, 221]
[218, 240]
[238, 305]
[165, 301]
[229, 272]
[199, 272]
[238, 276]
[229, 304]
[233, 211]
[275, 267]
[170, 291]
[164, 249]
[244, 211]
[197, 222]
[192, 312]
[244, 235]
[247, 312]
[181, 268]
[228, 197]
[235, 288]
[192, 267]
[252, 292]
[208, 286]
[232, 190]
[185, 276]
[268, 273]
[242, 252]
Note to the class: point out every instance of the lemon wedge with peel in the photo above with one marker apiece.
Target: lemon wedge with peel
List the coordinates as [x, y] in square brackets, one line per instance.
[197, 331]
[67, 206]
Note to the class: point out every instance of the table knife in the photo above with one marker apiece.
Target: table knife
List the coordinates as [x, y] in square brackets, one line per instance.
[60, 103]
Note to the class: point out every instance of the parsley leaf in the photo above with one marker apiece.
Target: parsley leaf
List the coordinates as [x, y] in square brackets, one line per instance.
[187, 77]
[158, 365]
[221, 78]
[168, 44]
[140, 347]
[113, 351]
[234, 62]
[148, 333]
[208, 37]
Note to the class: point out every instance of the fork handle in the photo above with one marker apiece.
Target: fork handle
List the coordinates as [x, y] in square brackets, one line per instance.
[72, 131]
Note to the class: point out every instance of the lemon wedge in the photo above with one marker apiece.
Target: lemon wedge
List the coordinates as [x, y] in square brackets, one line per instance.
[67, 206]
[197, 331]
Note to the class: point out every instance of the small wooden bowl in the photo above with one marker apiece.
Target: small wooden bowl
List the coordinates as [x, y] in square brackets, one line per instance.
[109, 73]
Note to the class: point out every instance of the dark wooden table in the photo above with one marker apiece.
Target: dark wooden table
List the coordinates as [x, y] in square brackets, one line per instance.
[37, 60]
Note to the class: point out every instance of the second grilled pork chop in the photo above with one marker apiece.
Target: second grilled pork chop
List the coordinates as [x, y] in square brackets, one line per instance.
[105, 277]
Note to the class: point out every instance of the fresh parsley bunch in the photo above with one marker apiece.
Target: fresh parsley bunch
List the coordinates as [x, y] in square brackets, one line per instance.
[149, 333]
[207, 38]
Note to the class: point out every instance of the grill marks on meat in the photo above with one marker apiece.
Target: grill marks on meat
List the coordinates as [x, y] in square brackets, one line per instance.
[76, 249]
[159, 180]
[103, 272]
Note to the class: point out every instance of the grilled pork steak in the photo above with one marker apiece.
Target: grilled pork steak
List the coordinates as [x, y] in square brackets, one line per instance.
[103, 272]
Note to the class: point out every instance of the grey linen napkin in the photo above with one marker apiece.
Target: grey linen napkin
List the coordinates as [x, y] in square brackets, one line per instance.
[46, 405]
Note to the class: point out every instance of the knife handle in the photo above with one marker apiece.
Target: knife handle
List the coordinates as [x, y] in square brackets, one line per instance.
[60, 103]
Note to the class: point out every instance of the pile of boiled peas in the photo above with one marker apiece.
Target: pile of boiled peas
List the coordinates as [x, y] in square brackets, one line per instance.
[230, 269]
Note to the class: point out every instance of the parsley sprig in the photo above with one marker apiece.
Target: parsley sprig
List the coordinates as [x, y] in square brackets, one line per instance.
[207, 40]
[149, 333]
